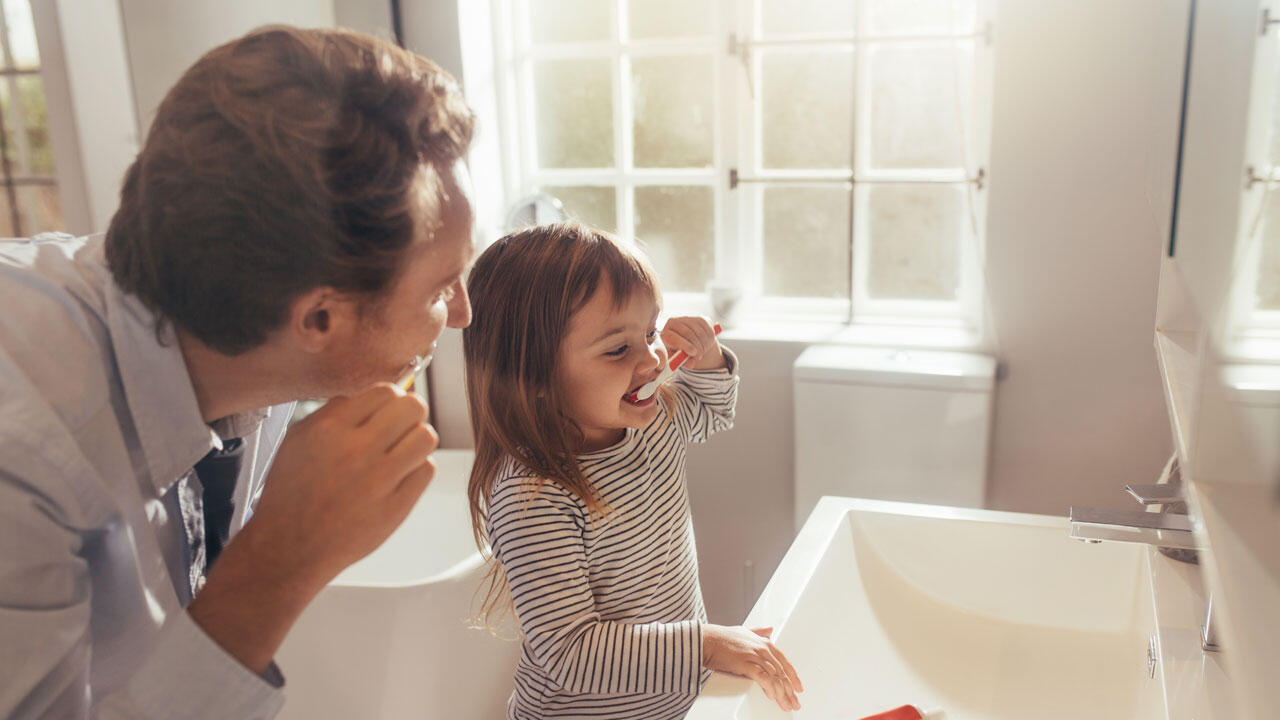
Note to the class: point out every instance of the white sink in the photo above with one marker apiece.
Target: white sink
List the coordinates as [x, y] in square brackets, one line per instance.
[986, 615]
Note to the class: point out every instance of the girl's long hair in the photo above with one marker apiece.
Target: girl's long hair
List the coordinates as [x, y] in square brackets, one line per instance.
[524, 290]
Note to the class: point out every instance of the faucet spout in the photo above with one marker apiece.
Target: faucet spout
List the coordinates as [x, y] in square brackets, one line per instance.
[1135, 526]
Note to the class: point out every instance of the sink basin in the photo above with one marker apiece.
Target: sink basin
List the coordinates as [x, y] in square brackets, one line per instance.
[985, 615]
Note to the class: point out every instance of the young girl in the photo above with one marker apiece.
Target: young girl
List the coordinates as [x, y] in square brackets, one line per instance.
[580, 491]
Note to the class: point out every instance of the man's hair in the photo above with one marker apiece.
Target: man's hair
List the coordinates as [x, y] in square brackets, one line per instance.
[283, 161]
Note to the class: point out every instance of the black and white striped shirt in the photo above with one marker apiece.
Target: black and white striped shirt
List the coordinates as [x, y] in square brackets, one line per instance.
[611, 611]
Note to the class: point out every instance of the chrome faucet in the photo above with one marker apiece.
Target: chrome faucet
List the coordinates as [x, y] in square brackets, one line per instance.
[1138, 526]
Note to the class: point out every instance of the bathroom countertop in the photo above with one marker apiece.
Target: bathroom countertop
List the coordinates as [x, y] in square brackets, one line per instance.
[1195, 682]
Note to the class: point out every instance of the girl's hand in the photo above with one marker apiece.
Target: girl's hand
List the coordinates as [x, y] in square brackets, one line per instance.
[695, 336]
[749, 653]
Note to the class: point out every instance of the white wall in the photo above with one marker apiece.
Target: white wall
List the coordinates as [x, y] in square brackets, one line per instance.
[1073, 253]
[164, 37]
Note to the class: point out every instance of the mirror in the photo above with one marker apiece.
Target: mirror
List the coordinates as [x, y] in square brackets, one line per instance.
[1218, 326]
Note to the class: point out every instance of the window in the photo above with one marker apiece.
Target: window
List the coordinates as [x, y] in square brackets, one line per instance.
[826, 157]
[1255, 302]
[29, 201]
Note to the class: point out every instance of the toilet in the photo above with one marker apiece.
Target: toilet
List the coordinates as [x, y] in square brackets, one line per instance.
[887, 424]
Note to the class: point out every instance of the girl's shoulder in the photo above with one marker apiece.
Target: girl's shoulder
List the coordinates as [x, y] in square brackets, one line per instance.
[515, 485]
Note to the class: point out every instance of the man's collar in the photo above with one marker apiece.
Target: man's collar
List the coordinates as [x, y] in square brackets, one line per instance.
[161, 398]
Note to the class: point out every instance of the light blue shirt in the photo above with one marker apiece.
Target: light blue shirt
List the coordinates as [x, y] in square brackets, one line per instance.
[99, 431]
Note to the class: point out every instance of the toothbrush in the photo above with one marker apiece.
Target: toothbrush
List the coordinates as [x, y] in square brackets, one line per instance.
[419, 361]
[647, 390]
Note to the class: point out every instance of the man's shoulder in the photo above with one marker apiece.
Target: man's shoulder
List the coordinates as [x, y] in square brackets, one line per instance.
[55, 348]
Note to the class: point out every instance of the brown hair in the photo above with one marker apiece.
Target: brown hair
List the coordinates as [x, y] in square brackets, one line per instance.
[525, 288]
[281, 162]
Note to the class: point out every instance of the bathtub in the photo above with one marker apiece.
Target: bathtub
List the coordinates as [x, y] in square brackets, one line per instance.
[388, 639]
[985, 615]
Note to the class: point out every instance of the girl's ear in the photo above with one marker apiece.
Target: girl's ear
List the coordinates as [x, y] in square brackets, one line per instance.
[320, 315]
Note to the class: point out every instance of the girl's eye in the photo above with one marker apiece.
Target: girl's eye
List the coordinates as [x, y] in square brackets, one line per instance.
[653, 334]
[618, 352]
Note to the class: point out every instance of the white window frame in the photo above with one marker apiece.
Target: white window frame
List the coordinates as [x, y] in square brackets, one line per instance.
[1253, 333]
[738, 222]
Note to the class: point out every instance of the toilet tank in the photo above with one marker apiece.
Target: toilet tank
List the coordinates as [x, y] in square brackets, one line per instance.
[905, 425]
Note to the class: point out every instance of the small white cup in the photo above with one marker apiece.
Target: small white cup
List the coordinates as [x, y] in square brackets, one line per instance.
[726, 299]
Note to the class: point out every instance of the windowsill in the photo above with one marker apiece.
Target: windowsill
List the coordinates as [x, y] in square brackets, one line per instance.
[813, 329]
[838, 333]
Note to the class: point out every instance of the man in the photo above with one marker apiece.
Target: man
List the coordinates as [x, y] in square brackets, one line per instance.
[297, 225]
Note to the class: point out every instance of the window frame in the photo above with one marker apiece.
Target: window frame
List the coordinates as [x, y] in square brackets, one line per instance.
[738, 212]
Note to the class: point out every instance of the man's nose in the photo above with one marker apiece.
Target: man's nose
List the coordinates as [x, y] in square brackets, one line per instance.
[459, 307]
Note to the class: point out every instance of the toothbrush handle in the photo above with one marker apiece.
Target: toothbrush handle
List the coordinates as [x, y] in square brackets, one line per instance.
[678, 359]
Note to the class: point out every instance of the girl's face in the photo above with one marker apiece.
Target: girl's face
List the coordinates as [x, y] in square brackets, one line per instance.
[606, 354]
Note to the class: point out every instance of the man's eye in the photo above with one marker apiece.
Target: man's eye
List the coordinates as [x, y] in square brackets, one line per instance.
[618, 352]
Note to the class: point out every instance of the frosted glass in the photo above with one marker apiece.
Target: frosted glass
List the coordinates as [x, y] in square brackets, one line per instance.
[900, 17]
[41, 209]
[676, 227]
[673, 102]
[670, 18]
[806, 241]
[789, 17]
[916, 108]
[914, 233]
[39, 155]
[592, 205]
[22, 34]
[563, 21]
[1275, 111]
[806, 111]
[1268, 297]
[574, 100]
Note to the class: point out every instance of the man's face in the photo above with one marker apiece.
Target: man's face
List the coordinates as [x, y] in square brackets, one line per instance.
[428, 295]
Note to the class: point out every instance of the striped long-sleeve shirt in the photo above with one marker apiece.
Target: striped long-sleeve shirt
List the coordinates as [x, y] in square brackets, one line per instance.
[611, 611]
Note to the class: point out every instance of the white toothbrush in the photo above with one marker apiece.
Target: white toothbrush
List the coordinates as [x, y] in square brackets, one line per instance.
[647, 390]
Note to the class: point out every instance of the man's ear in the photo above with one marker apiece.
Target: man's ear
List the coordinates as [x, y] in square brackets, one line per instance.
[318, 316]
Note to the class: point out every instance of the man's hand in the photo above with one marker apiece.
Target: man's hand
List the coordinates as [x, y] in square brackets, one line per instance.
[343, 479]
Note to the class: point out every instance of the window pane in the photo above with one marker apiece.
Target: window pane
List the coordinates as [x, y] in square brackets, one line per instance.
[669, 18]
[1275, 111]
[806, 241]
[1268, 297]
[36, 117]
[806, 109]
[676, 227]
[41, 209]
[900, 17]
[6, 218]
[780, 17]
[916, 109]
[914, 234]
[674, 110]
[562, 21]
[22, 34]
[574, 101]
[592, 205]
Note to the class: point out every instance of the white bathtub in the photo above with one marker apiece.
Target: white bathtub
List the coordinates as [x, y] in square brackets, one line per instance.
[387, 638]
[986, 615]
